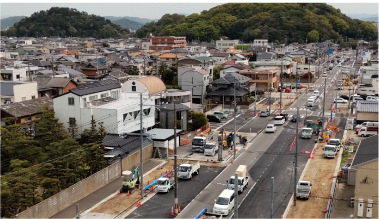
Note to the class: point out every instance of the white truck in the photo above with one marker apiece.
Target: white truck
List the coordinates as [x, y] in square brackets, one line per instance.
[164, 184]
[306, 133]
[185, 171]
[330, 151]
[210, 148]
[303, 189]
[243, 179]
[198, 144]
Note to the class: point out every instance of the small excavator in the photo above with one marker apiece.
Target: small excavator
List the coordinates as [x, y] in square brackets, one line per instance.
[128, 183]
[228, 139]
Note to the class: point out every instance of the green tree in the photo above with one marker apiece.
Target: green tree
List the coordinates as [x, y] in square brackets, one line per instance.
[198, 119]
[216, 72]
[313, 36]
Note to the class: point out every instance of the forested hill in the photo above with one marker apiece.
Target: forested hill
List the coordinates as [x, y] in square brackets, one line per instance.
[65, 22]
[9, 21]
[273, 21]
[126, 23]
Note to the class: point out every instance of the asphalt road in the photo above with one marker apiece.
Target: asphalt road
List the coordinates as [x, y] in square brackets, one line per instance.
[268, 156]
[159, 206]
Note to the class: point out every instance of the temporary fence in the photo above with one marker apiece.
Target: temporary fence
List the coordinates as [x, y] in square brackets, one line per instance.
[185, 139]
[204, 129]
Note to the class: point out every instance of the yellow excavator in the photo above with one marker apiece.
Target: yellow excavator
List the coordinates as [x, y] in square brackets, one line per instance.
[347, 81]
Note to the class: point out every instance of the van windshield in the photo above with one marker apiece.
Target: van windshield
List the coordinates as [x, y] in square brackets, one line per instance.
[161, 182]
[197, 141]
[307, 130]
[329, 149]
[334, 142]
[183, 169]
[222, 201]
[209, 146]
[278, 118]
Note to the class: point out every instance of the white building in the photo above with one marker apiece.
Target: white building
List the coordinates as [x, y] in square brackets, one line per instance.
[119, 112]
[194, 79]
[260, 42]
[226, 44]
[301, 69]
[13, 74]
[13, 92]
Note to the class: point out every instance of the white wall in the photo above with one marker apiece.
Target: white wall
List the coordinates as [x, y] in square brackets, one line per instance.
[63, 111]
[224, 72]
[199, 83]
[140, 87]
[26, 90]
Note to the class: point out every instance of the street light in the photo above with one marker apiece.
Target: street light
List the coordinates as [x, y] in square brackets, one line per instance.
[255, 95]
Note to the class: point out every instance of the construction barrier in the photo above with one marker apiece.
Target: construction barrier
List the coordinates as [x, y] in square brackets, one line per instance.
[201, 213]
[205, 129]
[185, 139]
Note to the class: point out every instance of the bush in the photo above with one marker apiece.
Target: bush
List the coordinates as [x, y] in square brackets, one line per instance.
[198, 120]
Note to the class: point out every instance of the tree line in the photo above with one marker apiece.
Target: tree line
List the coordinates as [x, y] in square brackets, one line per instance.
[37, 166]
[284, 22]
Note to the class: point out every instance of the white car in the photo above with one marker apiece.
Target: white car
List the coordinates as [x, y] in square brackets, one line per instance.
[339, 65]
[270, 128]
[339, 100]
[324, 75]
[279, 120]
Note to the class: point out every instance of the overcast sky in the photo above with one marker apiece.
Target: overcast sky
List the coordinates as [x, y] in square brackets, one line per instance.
[151, 10]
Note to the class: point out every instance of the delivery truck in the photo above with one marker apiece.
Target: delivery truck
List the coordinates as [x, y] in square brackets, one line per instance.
[164, 184]
[303, 189]
[243, 179]
[186, 171]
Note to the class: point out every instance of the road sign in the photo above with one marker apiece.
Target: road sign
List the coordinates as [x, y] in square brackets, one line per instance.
[363, 53]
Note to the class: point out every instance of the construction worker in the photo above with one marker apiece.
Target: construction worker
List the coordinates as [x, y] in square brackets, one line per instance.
[202, 134]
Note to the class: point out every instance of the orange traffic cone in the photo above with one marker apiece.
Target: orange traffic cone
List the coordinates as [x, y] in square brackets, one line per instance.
[148, 182]
[138, 204]
[334, 120]
[172, 211]
[231, 162]
[128, 193]
[310, 156]
[166, 171]
[140, 187]
[179, 210]
[119, 192]
[324, 209]
[155, 177]
[330, 195]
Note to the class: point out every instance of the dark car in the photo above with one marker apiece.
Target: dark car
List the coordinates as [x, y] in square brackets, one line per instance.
[294, 118]
[213, 118]
[344, 97]
[332, 61]
[285, 115]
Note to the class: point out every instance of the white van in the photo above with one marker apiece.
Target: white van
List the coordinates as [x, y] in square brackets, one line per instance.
[330, 151]
[368, 131]
[306, 133]
[310, 102]
[224, 203]
[367, 124]
[279, 120]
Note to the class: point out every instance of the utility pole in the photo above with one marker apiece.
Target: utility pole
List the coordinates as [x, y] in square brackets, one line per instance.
[295, 175]
[144, 64]
[141, 149]
[235, 124]
[281, 86]
[52, 57]
[30, 77]
[175, 165]
[221, 145]
[309, 71]
[235, 195]
[269, 93]
[323, 109]
[255, 95]
[272, 197]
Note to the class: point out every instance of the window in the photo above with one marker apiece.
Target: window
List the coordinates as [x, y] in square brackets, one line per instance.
[71, 121]
[24, 98]
[103, 95]
[71, 101]
[114, 94]
[134, 88]
[91, 98]
[33, 97]
[17, 76]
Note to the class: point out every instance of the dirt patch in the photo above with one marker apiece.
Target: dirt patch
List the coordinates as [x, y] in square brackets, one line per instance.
[319, 173]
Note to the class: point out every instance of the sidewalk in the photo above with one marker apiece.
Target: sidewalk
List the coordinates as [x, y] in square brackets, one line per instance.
[99, 195]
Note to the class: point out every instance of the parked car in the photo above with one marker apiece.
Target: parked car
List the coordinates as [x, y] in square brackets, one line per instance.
[287, 90]
[264, 113]
[270, 128]
[213, 118]
[339, 100]
[221, 115]
[368, 131]
[345, 97]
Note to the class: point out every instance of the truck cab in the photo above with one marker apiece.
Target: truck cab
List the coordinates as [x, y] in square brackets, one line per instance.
[306, 133]
[243, 179]
[164, 184]
[185, 171]
[210, 148]
[303, 189]
[198, 144]
[330, 151]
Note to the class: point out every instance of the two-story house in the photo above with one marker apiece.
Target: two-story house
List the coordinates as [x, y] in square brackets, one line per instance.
[221, 58]
[195, 79]
[14, 74]
[13, 92]
[226, 44]
[104, 102]
[263, 77]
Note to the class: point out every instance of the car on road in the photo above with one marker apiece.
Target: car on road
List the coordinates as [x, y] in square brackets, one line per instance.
[345, 97]
[213, 118]
[221, 115]
[264, 113]
[224, 203]
[270, 128]
[339, 100]
[285, 115]
[324, 75]
[317, 93]
[294, 118]
[287, 90]
[339, 65]
[279, 120]
[310, 102]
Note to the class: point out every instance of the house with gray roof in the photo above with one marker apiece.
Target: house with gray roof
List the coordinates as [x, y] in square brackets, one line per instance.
[367, 111]
[13, 92]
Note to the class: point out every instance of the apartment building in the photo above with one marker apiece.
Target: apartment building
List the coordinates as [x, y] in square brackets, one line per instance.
[263, 77]
[167, 43]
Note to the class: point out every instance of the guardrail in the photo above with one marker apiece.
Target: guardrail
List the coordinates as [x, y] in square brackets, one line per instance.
[202, 212]
[155, 181]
